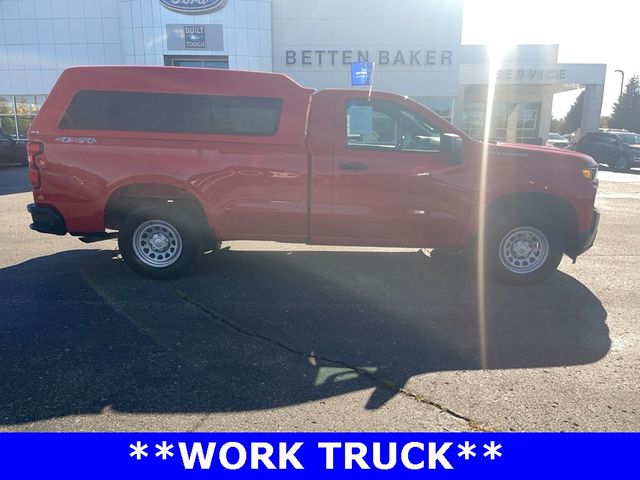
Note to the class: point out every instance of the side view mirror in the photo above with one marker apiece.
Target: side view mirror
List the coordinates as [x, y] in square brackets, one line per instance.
[452, 146]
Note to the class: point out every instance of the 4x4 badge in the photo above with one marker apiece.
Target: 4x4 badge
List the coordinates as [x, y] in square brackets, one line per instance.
[76, 140]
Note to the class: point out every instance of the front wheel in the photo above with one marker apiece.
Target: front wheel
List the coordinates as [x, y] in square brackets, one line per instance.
[157, 243]
[523, 249]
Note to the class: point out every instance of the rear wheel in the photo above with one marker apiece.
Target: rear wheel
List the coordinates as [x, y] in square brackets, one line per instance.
[523, 249]
[157, 243]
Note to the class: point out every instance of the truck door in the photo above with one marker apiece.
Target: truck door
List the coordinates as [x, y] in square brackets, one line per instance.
[392, 185]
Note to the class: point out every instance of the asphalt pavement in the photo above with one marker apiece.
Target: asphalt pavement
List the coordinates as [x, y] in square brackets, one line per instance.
[266, 336]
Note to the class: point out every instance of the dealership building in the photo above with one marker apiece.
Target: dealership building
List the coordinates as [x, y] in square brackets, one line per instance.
[415, 44]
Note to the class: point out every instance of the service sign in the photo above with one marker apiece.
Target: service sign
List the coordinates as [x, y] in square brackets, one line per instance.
[194, 7]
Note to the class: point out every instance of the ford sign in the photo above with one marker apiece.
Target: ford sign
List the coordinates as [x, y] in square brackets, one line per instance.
[194, 7]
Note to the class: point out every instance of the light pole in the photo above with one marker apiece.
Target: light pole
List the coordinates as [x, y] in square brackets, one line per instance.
[621, 81]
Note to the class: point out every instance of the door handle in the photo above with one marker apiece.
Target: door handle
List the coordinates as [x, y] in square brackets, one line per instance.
[353, 166]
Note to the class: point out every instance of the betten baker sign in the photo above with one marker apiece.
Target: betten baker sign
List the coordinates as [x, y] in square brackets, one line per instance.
[422, 57]
[194, 7]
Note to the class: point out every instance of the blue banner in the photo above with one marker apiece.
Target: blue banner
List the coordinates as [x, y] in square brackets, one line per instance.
[315, 456]
[361, 73]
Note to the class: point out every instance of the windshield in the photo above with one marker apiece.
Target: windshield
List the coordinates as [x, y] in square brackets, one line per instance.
[628, 138]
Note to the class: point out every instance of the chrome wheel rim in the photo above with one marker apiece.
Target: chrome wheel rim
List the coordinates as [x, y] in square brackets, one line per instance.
[524, 250]
[157, 243]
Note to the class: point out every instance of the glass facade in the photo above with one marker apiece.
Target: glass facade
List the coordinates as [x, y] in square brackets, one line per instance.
[197, 62]
[516, 122]
[443, 106]
[511, 122]
[473, 119]
[17, 112]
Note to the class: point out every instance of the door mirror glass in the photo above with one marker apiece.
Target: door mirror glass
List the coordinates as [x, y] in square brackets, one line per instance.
[452, 146]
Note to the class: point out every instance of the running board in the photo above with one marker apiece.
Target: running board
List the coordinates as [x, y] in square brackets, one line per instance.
[98, 237]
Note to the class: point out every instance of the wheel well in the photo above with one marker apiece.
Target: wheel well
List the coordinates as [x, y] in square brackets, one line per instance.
[125, 198]
[556, 208]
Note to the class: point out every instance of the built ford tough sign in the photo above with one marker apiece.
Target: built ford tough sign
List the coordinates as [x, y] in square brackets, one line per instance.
[176, 160]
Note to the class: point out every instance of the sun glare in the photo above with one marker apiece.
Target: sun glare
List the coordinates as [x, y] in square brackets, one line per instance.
[497, 50]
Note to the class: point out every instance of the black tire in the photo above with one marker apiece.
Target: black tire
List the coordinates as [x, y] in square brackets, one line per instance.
[530, 231]
[179, 242]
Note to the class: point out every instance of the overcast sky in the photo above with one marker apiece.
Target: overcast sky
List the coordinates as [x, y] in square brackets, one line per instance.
[587, 32]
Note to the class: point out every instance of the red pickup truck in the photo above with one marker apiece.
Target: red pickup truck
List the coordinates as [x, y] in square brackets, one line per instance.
[173, 161]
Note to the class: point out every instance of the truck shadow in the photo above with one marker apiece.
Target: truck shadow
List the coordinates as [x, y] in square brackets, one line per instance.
[259, 330]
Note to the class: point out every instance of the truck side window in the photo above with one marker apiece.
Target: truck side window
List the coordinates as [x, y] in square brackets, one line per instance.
[381, 124]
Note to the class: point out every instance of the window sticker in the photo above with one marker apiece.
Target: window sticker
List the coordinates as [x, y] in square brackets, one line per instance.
[360, 120]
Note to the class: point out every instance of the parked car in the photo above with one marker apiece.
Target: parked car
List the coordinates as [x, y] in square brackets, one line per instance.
[618, 149]
[557, 140]
[11, 152]
[208, 156]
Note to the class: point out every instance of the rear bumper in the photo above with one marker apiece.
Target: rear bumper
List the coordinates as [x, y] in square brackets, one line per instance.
[585, 239]
[46, 220]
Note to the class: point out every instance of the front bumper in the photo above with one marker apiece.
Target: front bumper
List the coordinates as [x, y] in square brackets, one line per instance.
[585, 239]
[46, 220]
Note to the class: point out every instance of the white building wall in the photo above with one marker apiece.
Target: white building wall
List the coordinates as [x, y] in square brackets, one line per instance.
[592, 108]
[372, 25]
[39, 38]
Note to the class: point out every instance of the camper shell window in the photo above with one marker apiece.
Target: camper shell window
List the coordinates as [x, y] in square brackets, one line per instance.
[173, 112]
